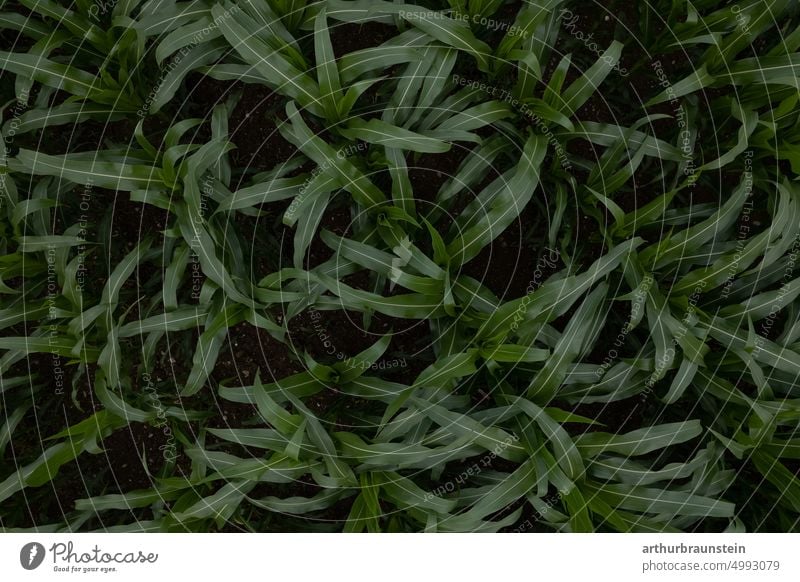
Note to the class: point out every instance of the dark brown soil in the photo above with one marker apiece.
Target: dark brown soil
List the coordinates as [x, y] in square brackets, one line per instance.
[428, 172]
[511, 264]
[266, 241]
[248, 350]
[350, 37]
[252, 125]
[337, 220]
[331, 336]
[116, 132]
[617, 417]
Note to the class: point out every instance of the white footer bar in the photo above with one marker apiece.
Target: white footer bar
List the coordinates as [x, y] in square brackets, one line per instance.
[401, 557]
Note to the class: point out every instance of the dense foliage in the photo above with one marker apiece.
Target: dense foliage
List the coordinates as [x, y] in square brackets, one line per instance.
[369, 266]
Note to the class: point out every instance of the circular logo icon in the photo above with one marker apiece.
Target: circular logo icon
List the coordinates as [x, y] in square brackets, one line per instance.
[31, 555]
